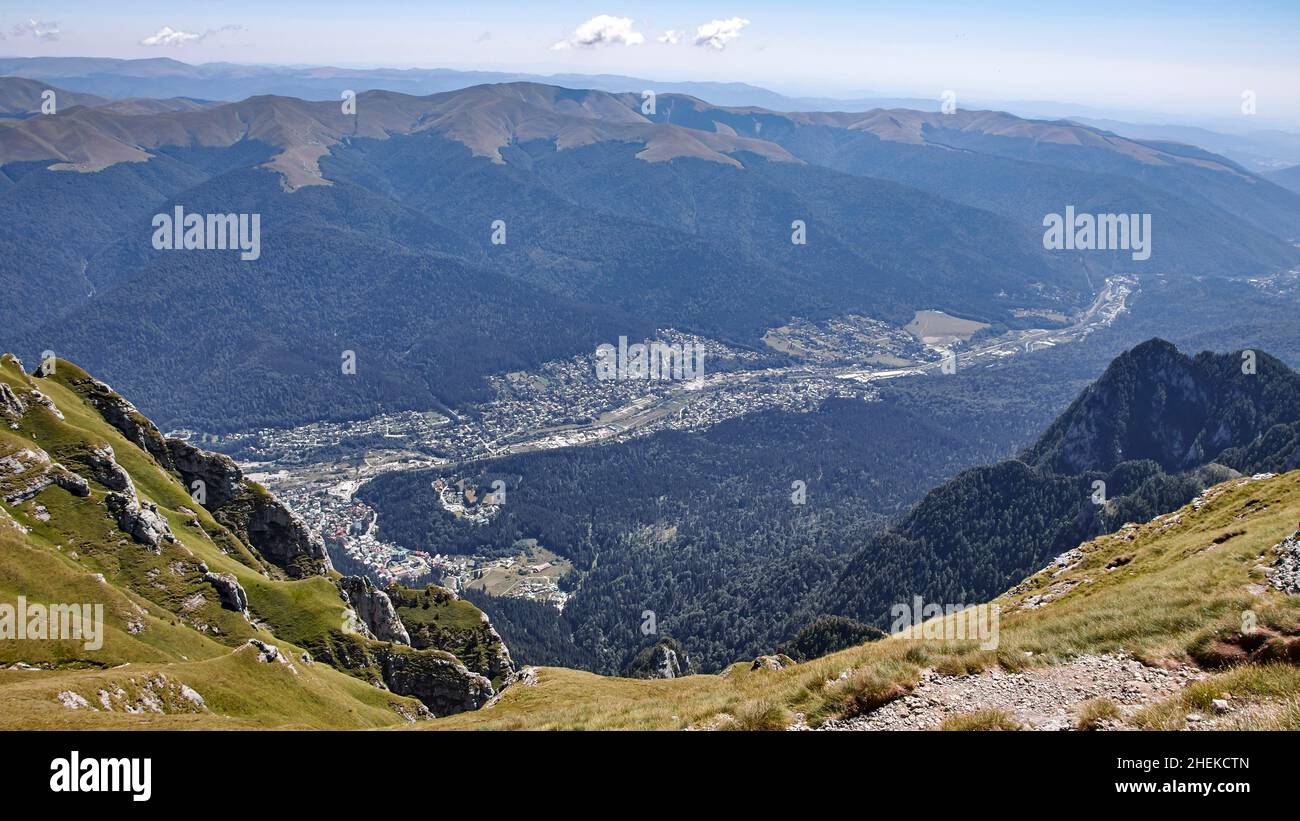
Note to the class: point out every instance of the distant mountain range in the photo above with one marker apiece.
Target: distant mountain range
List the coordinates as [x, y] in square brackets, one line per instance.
[1287, 178]
[1262, 150]
[164, 77]
[1259, 144]
[22, 98]
[377, 227]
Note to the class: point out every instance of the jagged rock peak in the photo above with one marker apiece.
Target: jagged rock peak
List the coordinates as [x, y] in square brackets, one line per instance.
[1156, 403]
[374, 609]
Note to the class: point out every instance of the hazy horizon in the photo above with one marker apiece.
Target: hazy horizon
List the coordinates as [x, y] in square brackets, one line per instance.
[1173, 59]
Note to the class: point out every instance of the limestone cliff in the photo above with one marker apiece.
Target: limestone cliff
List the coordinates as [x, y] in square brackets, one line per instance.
[212, 479]
[374, 609]
[183, 530]
[438, 619]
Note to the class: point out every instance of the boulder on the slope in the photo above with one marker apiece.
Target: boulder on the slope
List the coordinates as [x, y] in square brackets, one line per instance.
[277, 533]
[140, 520]
[228, 588]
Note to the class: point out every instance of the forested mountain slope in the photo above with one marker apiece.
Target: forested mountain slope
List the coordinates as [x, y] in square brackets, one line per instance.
[1156, 429]
[493, 228]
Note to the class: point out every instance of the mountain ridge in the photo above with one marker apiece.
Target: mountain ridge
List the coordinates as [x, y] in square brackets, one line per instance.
[484, 118]
[1136, 443]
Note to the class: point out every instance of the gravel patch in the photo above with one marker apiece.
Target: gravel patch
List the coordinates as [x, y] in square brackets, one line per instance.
[1042, 698]
[1285, 572]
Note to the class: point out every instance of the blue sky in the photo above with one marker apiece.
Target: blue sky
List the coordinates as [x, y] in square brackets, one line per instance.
[1192, 56]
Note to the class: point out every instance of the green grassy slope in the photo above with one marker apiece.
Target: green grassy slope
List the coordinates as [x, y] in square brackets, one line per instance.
[163, 622]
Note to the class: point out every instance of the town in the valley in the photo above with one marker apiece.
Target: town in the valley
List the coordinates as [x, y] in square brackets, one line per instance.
[317, 469]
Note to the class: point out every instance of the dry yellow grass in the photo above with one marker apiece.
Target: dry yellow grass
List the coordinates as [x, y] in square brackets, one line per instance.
[980, 720]
[1094, 714]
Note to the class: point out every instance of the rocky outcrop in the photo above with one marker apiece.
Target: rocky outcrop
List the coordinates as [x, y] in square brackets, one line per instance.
[221, 478]
[663, 659]
[35, 397]
[673, 665]
[245, 507]
[270, 654]
[524, 677]
[140, 520]
[780, 661]
[1156, 403]
[228, 588]
[1284, 574]
[24, 473]
[277, 533]
[374, 609]
[100, 463]
[11, 407]
[255, 516]
[437, 679]
[500, 663]
[121, 414]
[72, 483]
[263, 533]
[438, 619]
[283, 538]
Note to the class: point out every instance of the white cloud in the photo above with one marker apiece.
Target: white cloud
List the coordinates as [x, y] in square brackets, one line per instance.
[602, 30]
[717, 33]
[168, 36]
[39, 29]
[672, 37]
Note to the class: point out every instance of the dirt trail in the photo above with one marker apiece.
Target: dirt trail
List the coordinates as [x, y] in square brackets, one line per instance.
[1042, 698]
